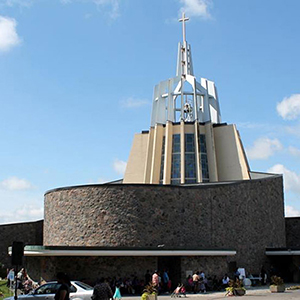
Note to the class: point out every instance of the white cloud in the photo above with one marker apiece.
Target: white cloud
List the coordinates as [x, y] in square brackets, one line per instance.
[251, 125]
[196, 8]
[15, 184]
[8, 34]
[263, 148]
[114, 5]
[25, 213]
[291, 211]
[289, 107]
[291, 179]
[293, 130]
[119, 166]
[134, 102]
[24, 3]
[294, 151]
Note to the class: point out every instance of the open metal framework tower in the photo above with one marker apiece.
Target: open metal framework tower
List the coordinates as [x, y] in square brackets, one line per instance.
[183, 98]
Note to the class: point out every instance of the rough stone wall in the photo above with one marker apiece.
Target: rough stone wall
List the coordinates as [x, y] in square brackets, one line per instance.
[292, 226]
[246, 216]
[88, 269]
[30, 233]
[249, 218]
[210, 265]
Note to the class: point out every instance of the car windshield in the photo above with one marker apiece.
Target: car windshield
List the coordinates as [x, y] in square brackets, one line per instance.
[48, 288]
[83, 285]
[51, 288]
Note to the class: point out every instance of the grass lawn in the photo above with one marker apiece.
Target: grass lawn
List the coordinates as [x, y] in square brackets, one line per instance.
[4, 289]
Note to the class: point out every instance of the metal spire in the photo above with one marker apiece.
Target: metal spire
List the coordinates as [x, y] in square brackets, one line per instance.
[184, 66]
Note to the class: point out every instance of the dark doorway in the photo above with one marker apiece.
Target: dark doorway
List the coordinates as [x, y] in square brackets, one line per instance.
[173, 265]
[286, 267]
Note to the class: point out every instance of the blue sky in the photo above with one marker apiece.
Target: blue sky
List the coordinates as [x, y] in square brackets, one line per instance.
[77, 76]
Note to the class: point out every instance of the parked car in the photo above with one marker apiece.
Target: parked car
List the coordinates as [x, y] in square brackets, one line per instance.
[78, 291]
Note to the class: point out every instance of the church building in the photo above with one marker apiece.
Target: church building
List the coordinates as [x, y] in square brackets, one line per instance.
[188, 200]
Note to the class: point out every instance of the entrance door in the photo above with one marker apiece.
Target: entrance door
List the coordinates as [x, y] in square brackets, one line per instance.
[173, 265]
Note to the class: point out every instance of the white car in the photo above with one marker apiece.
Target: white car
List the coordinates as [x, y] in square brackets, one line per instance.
[78, 291]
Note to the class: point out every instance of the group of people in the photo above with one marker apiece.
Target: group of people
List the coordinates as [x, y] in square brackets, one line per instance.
[161, 281]
[23, 281]
[128, 285]
[198, 282]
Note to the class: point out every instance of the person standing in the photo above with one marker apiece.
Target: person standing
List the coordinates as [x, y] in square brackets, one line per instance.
[165, 280]
[237, 274]
[147, 277]
[263, 275]
[196, 279]
[202, 274]
[155, 279]
[117, 294]
[63, 292]
[102, 291]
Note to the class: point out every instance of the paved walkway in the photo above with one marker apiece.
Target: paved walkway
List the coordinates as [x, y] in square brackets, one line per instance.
[259, 293]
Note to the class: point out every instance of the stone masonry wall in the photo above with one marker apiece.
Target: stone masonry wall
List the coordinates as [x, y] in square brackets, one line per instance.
[88, 269]
[211, 265]
[292, 226]
[30, 233]
[246, 216]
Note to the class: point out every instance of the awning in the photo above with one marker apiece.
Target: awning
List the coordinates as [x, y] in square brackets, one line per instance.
[282, 252]
[98, 251]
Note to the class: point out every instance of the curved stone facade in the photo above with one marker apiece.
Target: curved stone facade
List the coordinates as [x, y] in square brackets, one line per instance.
[246, 216]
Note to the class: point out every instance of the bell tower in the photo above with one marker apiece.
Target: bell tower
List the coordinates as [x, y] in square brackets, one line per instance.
[186, 143]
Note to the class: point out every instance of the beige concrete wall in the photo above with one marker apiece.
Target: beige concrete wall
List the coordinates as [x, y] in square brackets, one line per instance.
[135, 169]
[156, 153]
[242, 154]
[149, 156]
[168, 153]
[211, 153]
[231, 162]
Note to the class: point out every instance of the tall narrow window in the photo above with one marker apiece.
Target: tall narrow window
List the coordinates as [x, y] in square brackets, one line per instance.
[203, 158]
[175, 168]
[190, 160]
[161, 177]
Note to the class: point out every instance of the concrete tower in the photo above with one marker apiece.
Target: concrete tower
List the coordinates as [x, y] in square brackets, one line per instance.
[186, 143]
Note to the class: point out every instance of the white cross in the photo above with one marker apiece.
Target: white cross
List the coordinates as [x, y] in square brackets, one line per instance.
[183, 19]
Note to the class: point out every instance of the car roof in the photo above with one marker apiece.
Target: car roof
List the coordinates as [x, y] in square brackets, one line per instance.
[78, 286]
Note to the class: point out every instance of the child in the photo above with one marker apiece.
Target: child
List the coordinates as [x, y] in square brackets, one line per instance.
[117, 294]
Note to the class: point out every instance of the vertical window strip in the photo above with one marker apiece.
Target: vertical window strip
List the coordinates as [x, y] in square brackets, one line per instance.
[203, 158]
[176, 161]
[161, 177]
[190, 159]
